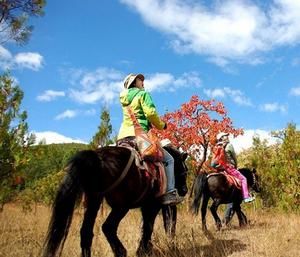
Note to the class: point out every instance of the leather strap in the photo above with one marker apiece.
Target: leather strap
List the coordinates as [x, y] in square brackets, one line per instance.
[123, 174]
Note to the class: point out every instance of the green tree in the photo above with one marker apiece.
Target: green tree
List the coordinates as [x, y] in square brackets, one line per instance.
[14, 137]
[14, 15]
[278, 167]
[102, 137]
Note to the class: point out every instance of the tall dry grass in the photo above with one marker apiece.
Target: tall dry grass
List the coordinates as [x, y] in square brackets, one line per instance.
[268, 234]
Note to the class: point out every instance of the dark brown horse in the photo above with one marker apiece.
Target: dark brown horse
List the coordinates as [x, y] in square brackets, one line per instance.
[221, 191]
[110, 173]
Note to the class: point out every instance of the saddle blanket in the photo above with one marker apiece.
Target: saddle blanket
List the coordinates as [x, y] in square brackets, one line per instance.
[231, 179]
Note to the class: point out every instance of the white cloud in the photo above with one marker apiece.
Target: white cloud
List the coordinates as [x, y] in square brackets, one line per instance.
[67, 114]
[215, 93]
[101, 85]
[28, 60]
[167, 82]
[50, 95]
[4, 53]
[245, 141]
[295, 91]
[33, 61]
[51, 137]
[236, 96]
[104, 85]
[228, 30]
[5, 58]
[273, 107]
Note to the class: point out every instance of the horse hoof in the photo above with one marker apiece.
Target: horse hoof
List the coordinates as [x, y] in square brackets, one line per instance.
[86, 253]
[144, 251]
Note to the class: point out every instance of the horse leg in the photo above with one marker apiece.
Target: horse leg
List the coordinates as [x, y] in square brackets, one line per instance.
[149, 214]
[169, 218]
[203, 212]
[229, 212]
[110, 227]
[213, 209]
[92, 204]
[241, 216]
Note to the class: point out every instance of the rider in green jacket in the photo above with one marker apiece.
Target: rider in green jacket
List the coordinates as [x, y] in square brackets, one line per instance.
[144, 110]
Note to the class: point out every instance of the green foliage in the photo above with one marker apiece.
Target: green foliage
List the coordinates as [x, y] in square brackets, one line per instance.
[45, 171]
[14, 16]
[48, 159]
[42, 190]
[102, 137]
[14, 137]
[278, 166]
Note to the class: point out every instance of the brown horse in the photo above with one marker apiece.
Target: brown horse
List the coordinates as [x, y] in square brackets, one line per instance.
[221, 191]
[110, 173]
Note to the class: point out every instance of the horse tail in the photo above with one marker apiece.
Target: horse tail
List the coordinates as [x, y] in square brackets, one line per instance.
[79, 170]
[199, 185]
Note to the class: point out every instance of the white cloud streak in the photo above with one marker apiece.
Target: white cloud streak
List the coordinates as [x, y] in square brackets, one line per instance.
[167, 82]
[101, 85]
[104, 84]
[225, 31]
[28, 60]
[31, 61]
[67, 114]
[295, 91]
[50, 95]
[273, 107]
[235, 95]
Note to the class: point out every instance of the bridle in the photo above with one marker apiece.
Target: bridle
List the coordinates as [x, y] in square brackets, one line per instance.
[254, 184]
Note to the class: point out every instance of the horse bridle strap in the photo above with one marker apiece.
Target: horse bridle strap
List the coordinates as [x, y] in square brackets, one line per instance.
[123, 174]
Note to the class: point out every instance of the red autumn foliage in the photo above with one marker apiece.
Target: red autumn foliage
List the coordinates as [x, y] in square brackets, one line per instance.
[195, 125]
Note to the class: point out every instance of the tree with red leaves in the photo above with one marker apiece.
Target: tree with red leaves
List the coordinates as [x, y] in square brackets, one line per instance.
[195, 125]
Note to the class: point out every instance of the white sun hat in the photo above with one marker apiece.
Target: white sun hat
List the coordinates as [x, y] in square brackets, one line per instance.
[222, 134]
[130, 78]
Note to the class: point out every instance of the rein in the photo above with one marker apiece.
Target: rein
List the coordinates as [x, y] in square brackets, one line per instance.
[122, 176]
[254, 179]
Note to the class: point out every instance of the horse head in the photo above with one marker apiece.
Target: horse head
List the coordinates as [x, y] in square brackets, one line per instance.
[255, 181]
[180, 169]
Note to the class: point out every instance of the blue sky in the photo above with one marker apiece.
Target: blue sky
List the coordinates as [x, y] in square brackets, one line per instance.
[243, 53]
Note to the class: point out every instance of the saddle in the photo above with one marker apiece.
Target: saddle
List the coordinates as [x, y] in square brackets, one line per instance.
[154, 172]
[233, 181]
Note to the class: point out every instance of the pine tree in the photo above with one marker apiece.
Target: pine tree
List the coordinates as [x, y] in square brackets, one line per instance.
[14, 137]
[14, 15]
[102, 137]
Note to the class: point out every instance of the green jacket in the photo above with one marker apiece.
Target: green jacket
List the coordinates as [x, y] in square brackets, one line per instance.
[144, 109]
[230, 154]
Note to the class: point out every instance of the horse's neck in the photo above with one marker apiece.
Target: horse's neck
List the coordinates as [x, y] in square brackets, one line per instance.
[247, 174]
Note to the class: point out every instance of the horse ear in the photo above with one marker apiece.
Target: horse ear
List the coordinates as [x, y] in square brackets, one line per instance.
[184, 155]
[254, 170]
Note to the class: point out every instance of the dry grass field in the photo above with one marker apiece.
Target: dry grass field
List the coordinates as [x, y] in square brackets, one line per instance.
[268, 234]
